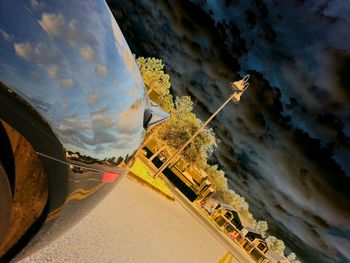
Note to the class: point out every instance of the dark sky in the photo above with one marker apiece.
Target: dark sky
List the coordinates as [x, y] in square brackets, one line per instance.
[286, 146]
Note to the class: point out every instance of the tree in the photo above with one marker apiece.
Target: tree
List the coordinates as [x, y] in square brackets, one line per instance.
[153, 75]
[248, 216]
[228, 196]
[261, 227]
[183, 122]
[182, 125]
[276, 245]
[155, 79]
[216, 177]
[293, 258]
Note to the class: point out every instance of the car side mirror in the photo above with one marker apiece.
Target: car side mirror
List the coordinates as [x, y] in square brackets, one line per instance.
[154, 115]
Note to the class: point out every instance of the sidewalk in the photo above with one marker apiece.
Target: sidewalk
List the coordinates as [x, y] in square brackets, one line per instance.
[141, 173]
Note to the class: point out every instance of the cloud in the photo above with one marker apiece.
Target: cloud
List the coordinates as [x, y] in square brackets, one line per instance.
[5, 35]
[47, 57]
[84, 131]
[101, 69]
[56, 26]
[76, 138]
[53, 71]
[92, 98]
[99, 117]
[103, 109]
[23, 50]
[65, 105]
[52, 23]
[67, 83]
[86, 53]
[135, 89]
[116, 32]
[72, 32]
[128, 59]
[125, 141]
[82, 140]
[74, 123]
[103, 137]
[40, 53]
[103, 121]
[342, 244]
[296, 187]
[100, 149]
[131, 120]
[35, 4]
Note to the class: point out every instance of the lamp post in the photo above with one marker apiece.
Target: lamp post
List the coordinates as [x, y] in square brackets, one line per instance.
[238, 88]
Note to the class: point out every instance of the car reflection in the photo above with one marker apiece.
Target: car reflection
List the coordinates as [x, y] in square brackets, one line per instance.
[68, 66]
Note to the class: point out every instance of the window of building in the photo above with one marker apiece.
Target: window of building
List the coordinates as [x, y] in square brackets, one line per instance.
[205, 188]
[247, 246]
[228, 215]
[256, 255]
[229, 228]
[261, 246]
[220, 221]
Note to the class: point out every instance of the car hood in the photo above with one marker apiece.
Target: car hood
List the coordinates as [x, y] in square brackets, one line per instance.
[72, 64]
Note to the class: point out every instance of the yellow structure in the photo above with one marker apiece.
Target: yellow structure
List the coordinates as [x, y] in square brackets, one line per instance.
[236, 236]
[197, 177]
[227, 218]
[152, 94]
[227, 258]
[193, 183]
[256, 250]
[255, 246]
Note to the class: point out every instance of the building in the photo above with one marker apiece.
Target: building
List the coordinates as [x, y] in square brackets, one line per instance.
[190, 181]
[152, 94]
[227, 218]
[249, 233]
[254, 244]
[210, 205]
[227, 215]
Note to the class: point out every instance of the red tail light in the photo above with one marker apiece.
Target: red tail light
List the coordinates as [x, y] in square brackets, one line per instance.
[109, 177]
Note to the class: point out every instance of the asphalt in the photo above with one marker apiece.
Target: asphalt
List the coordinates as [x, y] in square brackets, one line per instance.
[237, 252]
[134, 224]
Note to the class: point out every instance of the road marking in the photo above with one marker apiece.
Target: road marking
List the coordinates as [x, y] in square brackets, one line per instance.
[227, 258]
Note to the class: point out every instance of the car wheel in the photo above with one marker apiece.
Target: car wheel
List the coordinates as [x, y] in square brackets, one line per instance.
[5, 202]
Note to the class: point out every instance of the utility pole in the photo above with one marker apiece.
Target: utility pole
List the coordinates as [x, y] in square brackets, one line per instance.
[238, 88]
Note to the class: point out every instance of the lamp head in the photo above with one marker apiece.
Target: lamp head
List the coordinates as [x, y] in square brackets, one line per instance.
[237, 97]
[241, 85]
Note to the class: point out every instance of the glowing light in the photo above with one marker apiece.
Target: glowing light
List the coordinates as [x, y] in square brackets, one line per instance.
[109, 177]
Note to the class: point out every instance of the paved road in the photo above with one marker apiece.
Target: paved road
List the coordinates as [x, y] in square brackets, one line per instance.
[239, 255]
[134, 224]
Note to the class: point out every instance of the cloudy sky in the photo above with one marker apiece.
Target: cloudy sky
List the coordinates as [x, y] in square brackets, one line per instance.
[286, 146]
[71, 62]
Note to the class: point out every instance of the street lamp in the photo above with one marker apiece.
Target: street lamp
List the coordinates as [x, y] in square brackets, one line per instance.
[238, 88]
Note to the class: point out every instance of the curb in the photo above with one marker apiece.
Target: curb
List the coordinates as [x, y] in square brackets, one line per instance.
[143, 182]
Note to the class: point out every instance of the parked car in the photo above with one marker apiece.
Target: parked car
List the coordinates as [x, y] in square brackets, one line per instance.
[73, 112]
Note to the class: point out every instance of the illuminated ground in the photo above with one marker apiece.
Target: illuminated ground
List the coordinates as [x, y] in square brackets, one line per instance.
[134, 224]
